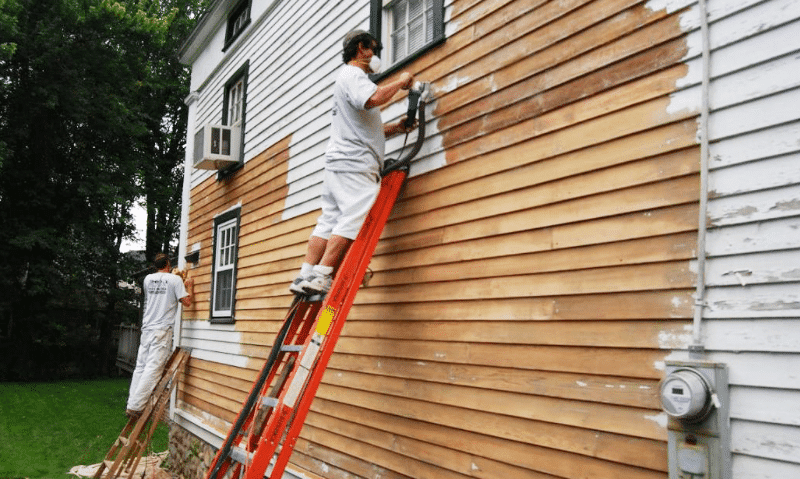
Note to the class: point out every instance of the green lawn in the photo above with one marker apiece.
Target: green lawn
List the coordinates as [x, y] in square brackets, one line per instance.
[46, 428]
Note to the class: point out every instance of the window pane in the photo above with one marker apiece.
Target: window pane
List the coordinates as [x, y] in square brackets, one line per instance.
[416, 34]
[224, 292]
[225, 260]
[429, 23]
[411, 27]
[415, 9]
[235, 97]
[398, 46]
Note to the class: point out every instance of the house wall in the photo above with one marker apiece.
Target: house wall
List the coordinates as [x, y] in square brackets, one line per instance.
[752, 314]
[540, 264]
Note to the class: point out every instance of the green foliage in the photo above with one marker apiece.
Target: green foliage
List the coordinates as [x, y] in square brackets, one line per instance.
[91, 119]
[47, 428]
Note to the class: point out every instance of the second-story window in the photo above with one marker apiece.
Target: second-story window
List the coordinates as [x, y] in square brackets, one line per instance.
[234, 113]
[407, 29]
[238, 20]
[410, 25]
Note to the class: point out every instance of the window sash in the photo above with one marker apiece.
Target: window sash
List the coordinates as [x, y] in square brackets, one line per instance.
[236, 103]
[225, 262]
[237, 22]
[410, 26]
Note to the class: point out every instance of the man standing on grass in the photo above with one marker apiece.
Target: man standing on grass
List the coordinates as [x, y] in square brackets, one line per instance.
[353, 160]
[162, 293]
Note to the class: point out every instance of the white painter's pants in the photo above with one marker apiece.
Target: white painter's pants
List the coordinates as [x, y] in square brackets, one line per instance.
[154, 350]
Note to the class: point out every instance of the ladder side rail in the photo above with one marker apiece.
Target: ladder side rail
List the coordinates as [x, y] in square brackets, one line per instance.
[176, 360]
[246, 413]
[355, 262]
[343, 301]
[139, 445]
[309, 315]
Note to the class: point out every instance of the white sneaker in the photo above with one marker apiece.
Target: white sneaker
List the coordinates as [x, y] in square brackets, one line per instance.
[296, 286]
[319, 283]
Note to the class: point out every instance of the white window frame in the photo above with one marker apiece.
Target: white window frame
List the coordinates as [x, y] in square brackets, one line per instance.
[238, 20]
[381, 27]
[226, 254]
[236, 102]
[395, 26]
[234, 113]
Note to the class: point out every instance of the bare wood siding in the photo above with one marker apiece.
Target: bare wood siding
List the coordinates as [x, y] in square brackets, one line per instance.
[525, 295]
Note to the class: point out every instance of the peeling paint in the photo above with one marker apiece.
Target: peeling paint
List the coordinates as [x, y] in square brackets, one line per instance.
[669, 6]
[581, 384]
[787, 206]
[740, 275]
[660, 419]
[743, 212]
[673, 340]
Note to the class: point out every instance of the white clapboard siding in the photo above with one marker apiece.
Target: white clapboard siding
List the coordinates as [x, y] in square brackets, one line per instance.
[769, 441]
[781, 408]
[752, 314]
[754, 177]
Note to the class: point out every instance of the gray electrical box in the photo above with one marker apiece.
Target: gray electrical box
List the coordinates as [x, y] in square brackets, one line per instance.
[694, 394]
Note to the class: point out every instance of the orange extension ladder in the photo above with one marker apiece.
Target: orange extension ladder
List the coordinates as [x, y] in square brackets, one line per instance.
[269, 423]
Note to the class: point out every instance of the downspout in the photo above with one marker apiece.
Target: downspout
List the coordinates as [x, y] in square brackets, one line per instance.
[697, 347]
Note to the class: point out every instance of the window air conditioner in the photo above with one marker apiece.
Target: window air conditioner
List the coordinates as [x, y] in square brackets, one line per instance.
[216, 147]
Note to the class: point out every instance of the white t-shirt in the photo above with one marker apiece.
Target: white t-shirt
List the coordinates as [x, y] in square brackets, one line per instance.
[162, 292]
[357, 142]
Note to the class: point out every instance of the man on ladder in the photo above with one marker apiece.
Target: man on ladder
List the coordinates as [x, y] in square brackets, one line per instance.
[162, 293]
[353, 160]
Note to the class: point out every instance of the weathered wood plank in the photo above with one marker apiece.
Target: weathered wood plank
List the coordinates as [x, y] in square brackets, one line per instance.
[638, 363]
[613, 334]
[781, 300]
[476, 260]
[776, 235]
[757, 268]
[768, 441]
[601, 280]
[641, 393]
[465, 433]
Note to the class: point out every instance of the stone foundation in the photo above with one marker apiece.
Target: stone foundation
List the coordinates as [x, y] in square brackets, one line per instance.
[189, 456]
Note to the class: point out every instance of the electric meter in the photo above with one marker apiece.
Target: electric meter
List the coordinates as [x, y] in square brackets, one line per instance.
[686, 395]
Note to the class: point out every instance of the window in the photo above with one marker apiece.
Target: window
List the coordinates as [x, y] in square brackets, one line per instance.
[407, 28]
[234, 112]
[226, 252]
[235, 97]
[238, 20]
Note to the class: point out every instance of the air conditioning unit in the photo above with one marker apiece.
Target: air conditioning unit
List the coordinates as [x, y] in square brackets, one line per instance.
[216, 147]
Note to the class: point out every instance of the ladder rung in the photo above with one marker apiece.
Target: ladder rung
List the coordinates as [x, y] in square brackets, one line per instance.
[108, 463]
[123, 440]
[292, 348]
[269, 401]
[240, 455]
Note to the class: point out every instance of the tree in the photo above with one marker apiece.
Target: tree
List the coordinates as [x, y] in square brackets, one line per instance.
[90, 122]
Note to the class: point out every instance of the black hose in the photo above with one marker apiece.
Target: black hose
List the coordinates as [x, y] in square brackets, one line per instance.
[393, 165]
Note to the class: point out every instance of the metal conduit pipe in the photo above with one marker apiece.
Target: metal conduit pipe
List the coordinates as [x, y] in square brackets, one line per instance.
[697, 347]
